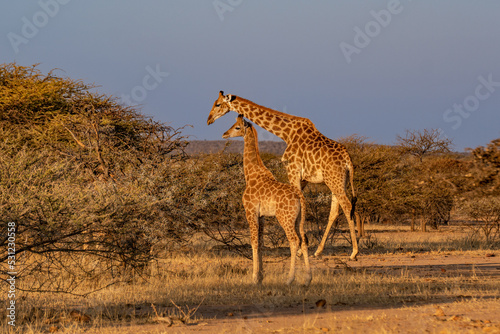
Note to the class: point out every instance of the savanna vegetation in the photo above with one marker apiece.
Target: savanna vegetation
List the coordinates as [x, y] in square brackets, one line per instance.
[104, 198]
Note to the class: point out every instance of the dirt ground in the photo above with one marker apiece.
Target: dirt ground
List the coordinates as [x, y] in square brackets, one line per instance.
[458, 314]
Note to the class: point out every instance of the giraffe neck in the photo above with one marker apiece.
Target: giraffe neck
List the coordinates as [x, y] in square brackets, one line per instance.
[251, 156]
[273, 121]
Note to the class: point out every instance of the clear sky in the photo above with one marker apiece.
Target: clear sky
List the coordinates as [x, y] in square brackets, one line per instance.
[372, 68]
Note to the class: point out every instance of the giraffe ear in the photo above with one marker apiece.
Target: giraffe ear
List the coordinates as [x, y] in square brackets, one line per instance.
[246, 123]
[230, 98]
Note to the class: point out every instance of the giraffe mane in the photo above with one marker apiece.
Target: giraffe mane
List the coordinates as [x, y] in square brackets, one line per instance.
[250, 127]
[272, 111]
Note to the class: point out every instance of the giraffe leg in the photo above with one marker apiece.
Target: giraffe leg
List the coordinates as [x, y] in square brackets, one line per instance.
[294, 179]
[304, 246]
[334, 213]
[256, 238]
[293, 172]
[260, 274]
[293, 239]
[303, 184]
[346, 207]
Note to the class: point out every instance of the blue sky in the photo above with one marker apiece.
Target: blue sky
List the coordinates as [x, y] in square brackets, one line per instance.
[371, 68]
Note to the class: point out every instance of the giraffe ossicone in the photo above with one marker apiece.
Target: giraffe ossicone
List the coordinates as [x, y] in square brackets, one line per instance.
[310, 156]
[264, 196]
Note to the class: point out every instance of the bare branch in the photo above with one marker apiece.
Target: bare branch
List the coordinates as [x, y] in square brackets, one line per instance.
[82, 145]
[420, 143]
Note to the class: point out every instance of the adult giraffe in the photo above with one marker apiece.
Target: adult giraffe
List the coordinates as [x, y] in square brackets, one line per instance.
[310, 156]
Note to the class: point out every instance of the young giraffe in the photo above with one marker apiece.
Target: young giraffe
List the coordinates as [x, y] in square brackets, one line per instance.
[311, 156]
[264, 196]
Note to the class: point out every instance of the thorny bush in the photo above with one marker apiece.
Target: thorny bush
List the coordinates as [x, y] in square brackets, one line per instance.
[84, 180]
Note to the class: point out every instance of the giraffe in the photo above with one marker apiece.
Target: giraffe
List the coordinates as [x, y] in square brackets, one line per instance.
[309, 156]
[264, 196]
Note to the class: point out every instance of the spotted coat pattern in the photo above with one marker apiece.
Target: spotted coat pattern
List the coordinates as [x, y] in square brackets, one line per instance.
[264, 196]
[310, 156]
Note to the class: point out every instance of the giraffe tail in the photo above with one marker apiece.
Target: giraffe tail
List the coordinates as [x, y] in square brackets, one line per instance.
[350, 169]
[303, 236]
[353, 206]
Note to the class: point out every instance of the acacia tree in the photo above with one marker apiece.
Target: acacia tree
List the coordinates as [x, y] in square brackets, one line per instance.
[480, 202]
[375, 171]
[83, 179]
[485, 215]
[431, 196]
[420, 143]
[70, 118]
[487, 173]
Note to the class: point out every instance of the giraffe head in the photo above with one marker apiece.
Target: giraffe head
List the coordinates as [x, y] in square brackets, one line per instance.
[221, 107]
[238, 129]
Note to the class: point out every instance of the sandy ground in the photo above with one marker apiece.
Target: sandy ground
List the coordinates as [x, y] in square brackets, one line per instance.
[459, 314]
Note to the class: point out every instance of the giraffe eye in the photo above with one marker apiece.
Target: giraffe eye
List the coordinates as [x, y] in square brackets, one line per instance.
[217, 105]
[237, 128]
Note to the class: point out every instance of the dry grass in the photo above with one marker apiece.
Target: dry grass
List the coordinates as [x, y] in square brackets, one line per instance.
[187, 280]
